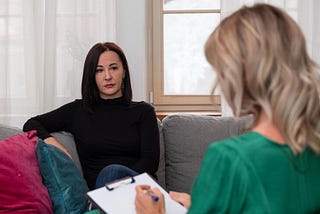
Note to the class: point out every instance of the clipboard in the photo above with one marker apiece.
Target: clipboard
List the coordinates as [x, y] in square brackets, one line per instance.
[118, 197]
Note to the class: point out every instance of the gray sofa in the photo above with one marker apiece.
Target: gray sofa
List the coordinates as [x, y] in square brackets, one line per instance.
[183, 141]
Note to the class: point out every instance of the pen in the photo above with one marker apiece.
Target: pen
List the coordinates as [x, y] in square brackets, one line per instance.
[153, 196]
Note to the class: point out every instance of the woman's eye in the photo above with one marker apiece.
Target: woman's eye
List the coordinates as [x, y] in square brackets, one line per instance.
[99, 70]
[114, 68]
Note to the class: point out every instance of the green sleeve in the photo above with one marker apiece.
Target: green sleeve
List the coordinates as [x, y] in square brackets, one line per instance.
[222, 179]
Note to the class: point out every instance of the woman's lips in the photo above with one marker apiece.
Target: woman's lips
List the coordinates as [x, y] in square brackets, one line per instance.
[108, 85]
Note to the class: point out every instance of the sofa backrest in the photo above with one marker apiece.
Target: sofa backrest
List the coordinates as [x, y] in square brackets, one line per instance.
[7, 131]
[186, 138]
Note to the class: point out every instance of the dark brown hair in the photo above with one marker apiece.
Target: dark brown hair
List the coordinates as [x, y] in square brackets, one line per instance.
[89, 88]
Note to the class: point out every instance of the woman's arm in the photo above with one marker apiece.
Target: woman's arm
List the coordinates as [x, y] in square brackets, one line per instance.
[150, 146]
[59, 119]
[182, 198]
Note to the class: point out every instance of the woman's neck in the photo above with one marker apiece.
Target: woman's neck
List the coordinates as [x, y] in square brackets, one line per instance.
[268, 129]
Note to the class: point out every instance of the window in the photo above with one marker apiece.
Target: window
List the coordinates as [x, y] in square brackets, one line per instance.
[182, 78]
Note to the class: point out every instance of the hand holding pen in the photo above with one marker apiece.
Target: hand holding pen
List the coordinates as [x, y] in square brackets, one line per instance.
[154, 197]
[149, 200]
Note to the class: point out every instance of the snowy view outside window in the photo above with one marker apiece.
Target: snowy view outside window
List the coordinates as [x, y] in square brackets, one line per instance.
[186, 27]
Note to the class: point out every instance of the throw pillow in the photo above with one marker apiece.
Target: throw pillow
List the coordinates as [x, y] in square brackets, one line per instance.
[66, 185]
[21, 187]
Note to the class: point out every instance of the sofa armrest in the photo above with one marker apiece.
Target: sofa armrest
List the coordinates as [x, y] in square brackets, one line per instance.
[161, 169]
[67, 140]
[7, 131]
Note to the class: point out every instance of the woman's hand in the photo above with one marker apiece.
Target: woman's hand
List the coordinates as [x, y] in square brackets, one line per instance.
[144, 202]
[181, 197]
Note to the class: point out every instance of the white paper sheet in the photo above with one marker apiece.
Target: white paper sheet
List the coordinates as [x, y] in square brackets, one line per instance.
[121, 199]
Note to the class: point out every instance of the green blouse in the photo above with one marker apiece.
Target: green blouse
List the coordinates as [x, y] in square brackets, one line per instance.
[252, 174]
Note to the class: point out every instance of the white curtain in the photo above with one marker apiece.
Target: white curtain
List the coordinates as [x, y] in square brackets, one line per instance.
[306, 13]
[43, 44]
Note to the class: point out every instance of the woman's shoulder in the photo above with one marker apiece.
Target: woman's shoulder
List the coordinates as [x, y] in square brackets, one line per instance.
[78, 102]
[240, 145]
[244, 141]
[142, 105]
[234, 153]
[74, 103]
[72, 106]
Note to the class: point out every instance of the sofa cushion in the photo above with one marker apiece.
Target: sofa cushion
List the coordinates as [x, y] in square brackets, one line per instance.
[21, 187]
[186, 139]
[66, 185]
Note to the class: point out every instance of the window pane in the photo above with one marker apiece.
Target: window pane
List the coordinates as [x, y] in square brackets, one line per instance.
[186, 71]
[190, 4]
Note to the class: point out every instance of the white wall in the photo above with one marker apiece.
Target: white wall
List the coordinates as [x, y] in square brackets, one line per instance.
[132, 28]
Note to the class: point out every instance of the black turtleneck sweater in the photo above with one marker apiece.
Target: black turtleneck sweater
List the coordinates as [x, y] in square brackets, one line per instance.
[115, 133]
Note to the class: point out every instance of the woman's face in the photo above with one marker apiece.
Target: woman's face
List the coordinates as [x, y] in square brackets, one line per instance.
[109, 75]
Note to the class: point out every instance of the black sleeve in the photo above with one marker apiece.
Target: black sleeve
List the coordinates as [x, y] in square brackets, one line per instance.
[150, 147]
[59, 119]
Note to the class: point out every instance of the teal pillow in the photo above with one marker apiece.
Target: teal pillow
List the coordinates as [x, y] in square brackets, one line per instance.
[64, 181]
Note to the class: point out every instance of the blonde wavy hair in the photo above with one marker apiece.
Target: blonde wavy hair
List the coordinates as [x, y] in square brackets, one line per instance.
[260, 56]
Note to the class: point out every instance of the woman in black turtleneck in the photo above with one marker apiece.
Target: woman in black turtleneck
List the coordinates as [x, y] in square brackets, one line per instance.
[109, 128]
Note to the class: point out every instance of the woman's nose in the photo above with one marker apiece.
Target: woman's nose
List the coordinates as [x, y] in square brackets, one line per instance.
[107, 75]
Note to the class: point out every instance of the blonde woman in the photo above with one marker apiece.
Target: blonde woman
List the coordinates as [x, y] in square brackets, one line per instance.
[262, 65]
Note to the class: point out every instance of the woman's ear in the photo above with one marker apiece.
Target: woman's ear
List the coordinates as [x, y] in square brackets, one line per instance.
[124, 74]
